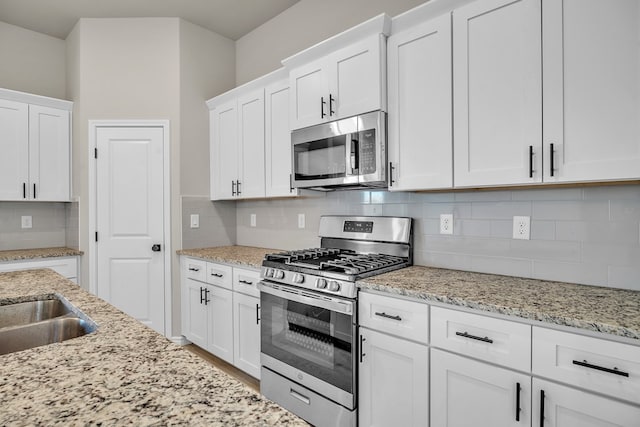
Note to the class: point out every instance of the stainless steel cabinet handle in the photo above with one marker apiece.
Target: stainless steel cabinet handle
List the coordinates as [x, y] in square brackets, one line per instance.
[331, 99]
[614, 371]
[388, 316]
[238, 187]
[474, 337]
[391, 180]
[201, 294]
[233, 188]
[206, 296]
[322, 104]
[362, 354]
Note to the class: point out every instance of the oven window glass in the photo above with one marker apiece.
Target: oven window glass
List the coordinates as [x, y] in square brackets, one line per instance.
[312, 339]
[325, 158]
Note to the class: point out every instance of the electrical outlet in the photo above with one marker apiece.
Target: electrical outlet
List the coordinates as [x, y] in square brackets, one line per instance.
[301, 220]
[27, 221]
[446, 223]
[521, 227]
[253, 220]
[195, 221]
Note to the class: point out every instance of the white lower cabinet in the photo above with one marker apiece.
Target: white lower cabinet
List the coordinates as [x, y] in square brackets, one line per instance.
[65, 266]
[206, 318]
[221, 311]
[393, 381]
[465, 392]
[557, 405]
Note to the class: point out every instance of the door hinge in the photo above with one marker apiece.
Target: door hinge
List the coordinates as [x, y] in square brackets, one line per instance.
[96, 236]
[95, 153]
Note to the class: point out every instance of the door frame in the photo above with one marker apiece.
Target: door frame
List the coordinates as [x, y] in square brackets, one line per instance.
[93, 210]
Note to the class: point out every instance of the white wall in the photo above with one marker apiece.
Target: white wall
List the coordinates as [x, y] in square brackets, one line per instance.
[302, 25]
[32, 62]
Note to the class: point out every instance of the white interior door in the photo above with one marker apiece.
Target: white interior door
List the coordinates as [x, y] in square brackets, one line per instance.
[129, 221]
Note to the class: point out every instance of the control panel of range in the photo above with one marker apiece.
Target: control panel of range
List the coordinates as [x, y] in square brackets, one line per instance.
[309, 281]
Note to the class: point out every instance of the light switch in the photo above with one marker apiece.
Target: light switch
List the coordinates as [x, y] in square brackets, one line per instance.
[27, 221]
[301, 220]
[195, 221]
[253, 220]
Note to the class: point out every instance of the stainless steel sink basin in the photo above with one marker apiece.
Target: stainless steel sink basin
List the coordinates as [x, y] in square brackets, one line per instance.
[42, 333]
[43, 321]
[31, 311]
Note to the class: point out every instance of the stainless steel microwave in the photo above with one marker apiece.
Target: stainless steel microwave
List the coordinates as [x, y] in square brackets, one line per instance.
[346, 153]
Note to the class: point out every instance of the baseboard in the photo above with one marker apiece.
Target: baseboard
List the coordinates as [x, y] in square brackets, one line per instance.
[180, 340]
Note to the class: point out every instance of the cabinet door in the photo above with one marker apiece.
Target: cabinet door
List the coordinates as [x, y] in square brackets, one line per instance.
[49, 154]
[194, 313]
[393, 381]
[246, 333]
[567, 407]
[420, 135]
[591, 97]
[277, 141]
[219, 304]
[497, 90]
[224, 150]
[14, 146]
[470, 393]
[251, 141]
[309, 95]
[356, 74]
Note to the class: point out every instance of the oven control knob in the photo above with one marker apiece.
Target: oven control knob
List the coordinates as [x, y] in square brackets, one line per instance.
[321, 283]
[334, 286]
[298, 278]
[268, 272]
[278, 274]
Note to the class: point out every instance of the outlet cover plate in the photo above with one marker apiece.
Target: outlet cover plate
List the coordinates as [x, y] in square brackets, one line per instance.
[522, 227]
[27, 221]
[301, 220]
[253, 220]
[446, 223]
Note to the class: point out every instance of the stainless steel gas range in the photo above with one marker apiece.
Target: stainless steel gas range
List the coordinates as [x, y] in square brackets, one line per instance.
[309, 314]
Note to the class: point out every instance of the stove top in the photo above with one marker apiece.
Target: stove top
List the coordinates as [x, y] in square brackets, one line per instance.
[352, 248]
[335, 260]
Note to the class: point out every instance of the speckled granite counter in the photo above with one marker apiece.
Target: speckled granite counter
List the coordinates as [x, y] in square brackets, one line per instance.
[241, 255]
[23, 254]
[124, 373]
[607, 310]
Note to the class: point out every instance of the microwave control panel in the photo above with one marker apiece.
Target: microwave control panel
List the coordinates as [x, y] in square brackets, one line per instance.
[367, 151]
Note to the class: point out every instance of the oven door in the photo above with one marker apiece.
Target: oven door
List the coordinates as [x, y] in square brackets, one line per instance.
[310, 338]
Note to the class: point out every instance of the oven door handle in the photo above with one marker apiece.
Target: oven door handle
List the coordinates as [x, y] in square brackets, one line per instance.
[327, 302]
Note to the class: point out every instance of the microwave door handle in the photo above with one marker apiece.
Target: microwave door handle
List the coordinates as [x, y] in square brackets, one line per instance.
[354, 156]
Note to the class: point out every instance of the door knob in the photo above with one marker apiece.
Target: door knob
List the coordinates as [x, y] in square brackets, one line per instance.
[156, 248]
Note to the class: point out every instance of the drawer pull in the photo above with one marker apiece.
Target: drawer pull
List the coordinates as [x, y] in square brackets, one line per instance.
[518, 388]
[302, 398]
[246, 282]
[194, 269]
[474, 337]
[541, 408]
[216, 275]
[614, 371]
[388, 316]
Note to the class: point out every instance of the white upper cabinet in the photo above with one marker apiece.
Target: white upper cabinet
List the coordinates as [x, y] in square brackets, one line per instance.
[340, 77]
[420, 134]
[591, 70]
[250, 181]
[35, 141]
[277, 140]
[251, 140]
[497, 87]
[224, 150]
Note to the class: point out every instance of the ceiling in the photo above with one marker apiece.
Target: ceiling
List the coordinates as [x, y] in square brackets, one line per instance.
[229, 18]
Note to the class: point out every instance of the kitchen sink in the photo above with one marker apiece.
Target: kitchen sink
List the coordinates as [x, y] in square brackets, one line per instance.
[43, 321]
[31, 311]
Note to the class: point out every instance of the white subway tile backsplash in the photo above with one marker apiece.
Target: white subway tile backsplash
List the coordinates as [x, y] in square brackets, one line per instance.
[587, 235]
[597, 210]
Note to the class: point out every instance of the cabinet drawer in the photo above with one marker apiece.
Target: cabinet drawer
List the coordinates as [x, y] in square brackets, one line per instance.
[195, 269]
[406, 319]
[246, 281]
[494, 340]
[67, 267]
[592, 363]
[219, 275]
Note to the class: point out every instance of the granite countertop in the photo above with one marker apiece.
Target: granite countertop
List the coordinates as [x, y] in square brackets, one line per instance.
[607, 310]
[241, 255]
[25, 254]
[124, 373]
